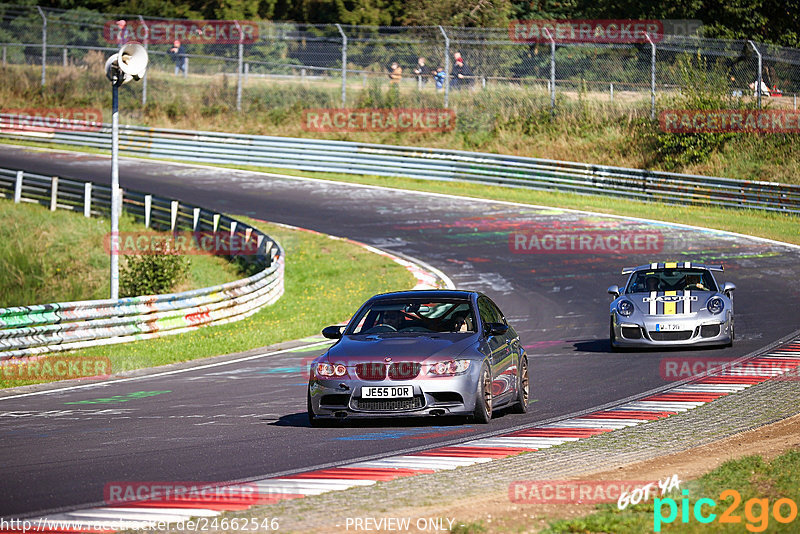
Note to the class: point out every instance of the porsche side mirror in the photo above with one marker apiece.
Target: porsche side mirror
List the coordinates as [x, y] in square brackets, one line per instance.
[613, 290]
[727, 289]
[332, 332]
[496, 329]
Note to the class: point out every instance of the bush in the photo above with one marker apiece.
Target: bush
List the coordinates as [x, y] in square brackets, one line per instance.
[152, 274]
[705, 88]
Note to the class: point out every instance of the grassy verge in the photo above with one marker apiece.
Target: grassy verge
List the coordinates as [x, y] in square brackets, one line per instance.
[321, 288]
[751, 477]
[500, 118]
[59, 257]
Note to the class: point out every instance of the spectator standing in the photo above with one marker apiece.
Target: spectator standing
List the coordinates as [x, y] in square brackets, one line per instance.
[462, 74]
[395, 72]
[421, 71]
[439, 78]
[122, 32]
[178, 53]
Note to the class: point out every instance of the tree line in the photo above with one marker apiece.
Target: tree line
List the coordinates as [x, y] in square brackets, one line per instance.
[770, 21]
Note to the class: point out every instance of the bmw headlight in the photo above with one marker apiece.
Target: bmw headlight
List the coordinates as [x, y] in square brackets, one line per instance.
[449, 367]
[625, 308]
[331, 370]
[715, 305]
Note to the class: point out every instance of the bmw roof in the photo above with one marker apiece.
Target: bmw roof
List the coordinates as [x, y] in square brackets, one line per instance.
[427, 293]
[673, 265]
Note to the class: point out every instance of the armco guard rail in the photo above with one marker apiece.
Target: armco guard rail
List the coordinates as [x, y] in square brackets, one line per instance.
[412, 162]
[29, 330]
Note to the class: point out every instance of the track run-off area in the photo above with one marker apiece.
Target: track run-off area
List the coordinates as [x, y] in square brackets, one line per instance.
[245, 418]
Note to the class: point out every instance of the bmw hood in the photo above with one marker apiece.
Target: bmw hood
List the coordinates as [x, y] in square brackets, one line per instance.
[670, 302]
[418, 348]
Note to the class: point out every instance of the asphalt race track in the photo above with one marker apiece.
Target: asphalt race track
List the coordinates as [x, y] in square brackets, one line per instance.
[247, 419]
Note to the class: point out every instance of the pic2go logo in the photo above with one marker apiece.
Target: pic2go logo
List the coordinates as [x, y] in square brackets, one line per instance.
[756, 511]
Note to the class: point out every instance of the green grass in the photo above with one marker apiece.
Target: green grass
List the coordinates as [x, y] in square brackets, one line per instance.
[59, 257]
[321, 288]
[501, 119]
[751, 476]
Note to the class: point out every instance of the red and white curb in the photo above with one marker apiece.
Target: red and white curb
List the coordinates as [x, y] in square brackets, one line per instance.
[771, 365]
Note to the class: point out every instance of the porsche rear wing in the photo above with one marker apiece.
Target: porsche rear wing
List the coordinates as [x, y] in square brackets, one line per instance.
[673, 265]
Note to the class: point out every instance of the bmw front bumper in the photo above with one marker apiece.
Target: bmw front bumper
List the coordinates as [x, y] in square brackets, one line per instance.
[452, 395]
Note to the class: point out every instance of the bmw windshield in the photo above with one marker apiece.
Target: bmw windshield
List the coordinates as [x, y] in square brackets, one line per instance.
[414, 316]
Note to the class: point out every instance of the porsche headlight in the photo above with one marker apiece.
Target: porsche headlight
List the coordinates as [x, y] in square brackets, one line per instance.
[715, 305]
[625, 308]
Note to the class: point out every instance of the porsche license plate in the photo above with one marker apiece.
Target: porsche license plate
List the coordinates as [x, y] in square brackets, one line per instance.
[667, 327]
[387, 392]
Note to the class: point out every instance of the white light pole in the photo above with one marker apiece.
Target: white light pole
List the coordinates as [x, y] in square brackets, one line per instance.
[129, 64]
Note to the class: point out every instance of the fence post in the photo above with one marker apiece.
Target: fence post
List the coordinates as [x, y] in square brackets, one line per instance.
[173, 215]
[18, 188]
[186, 66]
[552, 71]
[64, 57]
[53, 193]
[195, 218]
[44, 42]
[611, 90]
[144, 43]
[87, 199]
[246, 72]
[148, 207]
[758, 80]
[239, 68]
[344, 64]
[4, 56]
[795, 101]
[652, 77]
[446, 68]
[215, 220]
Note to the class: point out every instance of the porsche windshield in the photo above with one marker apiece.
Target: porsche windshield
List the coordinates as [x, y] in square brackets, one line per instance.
[410, 316]
[671, 280]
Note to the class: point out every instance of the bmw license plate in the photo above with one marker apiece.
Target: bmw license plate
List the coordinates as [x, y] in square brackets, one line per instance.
[387, 392]
[667, 327]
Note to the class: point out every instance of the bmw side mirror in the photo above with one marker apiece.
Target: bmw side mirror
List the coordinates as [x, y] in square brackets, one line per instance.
[727, 289]
[496, 329]
[332, 332]
[613, 290]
